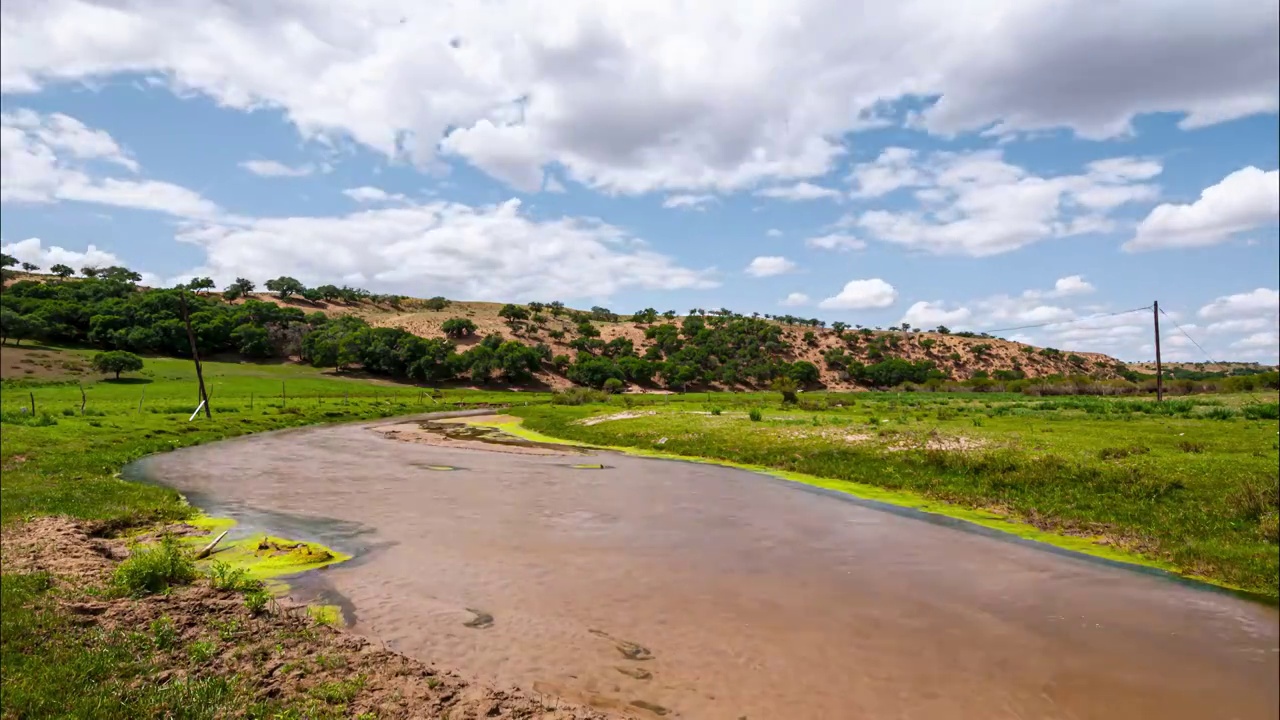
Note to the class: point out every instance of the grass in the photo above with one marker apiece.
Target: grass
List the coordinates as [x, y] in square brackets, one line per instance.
[64, 460]
[1190, 484]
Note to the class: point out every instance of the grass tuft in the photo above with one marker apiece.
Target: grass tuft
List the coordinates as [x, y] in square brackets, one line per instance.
[151, 570]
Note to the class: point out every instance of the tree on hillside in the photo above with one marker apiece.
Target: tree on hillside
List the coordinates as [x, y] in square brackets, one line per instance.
[512, 313]
[30, 267]
[89, 271]
[284, 286]
[119, 274]
[458, 327]
[438, 302]
[238, 289]
[7, 260]
[62, 271]
[117, 361]
[18, 326]
[201, 283]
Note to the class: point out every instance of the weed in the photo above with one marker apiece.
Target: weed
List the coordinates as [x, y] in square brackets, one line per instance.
[163, 633]
[224, 577]
[256, 601]
[1116, 453]
[755, 415]
[1191, 446]
[339, 692]
[716, 411]
[1261, 411]
[1220, 413]
[201, 651]
[154, 569]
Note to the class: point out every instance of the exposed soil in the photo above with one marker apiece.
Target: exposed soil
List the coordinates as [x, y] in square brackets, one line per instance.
[630, 415]
[284, 654]
[453, 433]
[40, 363]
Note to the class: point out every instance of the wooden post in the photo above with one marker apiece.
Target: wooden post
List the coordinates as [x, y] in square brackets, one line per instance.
[83, 400]
[33, 403]
[140, 399]
[195, 354]
[251, 401]
[284, 395]
[1155, 313]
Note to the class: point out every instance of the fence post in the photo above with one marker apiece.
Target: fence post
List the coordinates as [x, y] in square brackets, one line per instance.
[140, 399]
[284, 395]
[251, 401]
[33, 403]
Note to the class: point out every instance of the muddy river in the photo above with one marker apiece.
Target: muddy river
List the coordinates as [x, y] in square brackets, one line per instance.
[655, 587]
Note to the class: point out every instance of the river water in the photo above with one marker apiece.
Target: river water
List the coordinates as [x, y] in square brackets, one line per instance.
[651, 586]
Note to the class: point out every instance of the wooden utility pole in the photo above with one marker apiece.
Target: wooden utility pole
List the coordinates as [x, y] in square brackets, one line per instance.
[1155, 313]
[195, 355]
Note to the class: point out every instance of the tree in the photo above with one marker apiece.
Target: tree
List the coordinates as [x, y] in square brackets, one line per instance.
[62, 271]
[89, 271]
[238, 289]
[284, 286]
[30, 267]
[252, 341]
[512, 313]
[17, 326]
[200, 283]
[436, 303]
[119, 274]
[942, 330]
[117, 361]
[7, 260]
[587, 330]
[612, 386]
[458, 327]
[787, 387]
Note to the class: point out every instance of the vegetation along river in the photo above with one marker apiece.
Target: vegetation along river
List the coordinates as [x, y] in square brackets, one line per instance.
[652, 586]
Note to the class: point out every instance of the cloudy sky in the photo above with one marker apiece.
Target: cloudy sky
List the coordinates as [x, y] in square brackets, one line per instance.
[987, 165]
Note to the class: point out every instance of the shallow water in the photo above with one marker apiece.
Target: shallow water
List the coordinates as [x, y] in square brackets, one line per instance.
[707, 592]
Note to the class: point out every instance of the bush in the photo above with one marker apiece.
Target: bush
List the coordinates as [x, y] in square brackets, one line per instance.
[116, 361]
[716, 411]
[578, 396]
[154, 569]
[1262, 411]
[755, 415]
[1220, 413]
[1116, 453]
[613, 385]
[1191, 446]
[458, 327]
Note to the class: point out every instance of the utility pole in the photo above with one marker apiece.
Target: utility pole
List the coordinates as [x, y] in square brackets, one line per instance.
[1155, 313]
[195, 355]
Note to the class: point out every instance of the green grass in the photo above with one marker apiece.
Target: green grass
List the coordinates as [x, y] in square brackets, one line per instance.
[1190, 483]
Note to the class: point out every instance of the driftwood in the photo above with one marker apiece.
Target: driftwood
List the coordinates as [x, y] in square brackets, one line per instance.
[209, 548]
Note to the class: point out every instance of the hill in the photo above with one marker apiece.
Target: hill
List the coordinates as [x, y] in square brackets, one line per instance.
[538, 344]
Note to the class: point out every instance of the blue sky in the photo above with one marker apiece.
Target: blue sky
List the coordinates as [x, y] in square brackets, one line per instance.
[1010, 165]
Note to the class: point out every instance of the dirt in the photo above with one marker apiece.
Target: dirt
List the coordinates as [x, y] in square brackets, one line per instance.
[451, 433]
[40, 363]
[630, 415]
[284, 654]
[723, 594]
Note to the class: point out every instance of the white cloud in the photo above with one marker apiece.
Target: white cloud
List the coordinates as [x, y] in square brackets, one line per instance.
[32, 250]
[795, 299]
[1244, 200]
[370, 194]
[1240, 325]
[493, 252]
[695, 202]
[769, 265]
[835, 241]
[931, 314]
[1072, 285]
[773, 233]
[1258, 341]
[799, 192]
[861, 295]
[46, 159]
[631, 97]
[272, 168]
[1262, 301]
[978, 204]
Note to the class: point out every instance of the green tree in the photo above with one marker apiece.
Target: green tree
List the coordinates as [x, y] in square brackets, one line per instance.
[284, 286]
[117, 361]
[7, 260]
[89, 271]
[200, 284]
[119, 274]
[18, 326]
[252, 341]
[238, 289]
[787, 387]
[512, 313]
[62, 271]
[612, 386]
[458, 327]
[30, 267]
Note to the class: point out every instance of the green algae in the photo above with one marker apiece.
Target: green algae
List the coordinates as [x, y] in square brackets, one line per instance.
[1094, 546]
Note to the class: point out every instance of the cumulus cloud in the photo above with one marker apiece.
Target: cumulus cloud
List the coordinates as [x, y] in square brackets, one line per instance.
[1262, 301]
[370, 194]
[1244, 200]
[272, 168]
[632, 97]
[694, 202]
[494, 252]
[795, 299]
[769, 265]
[50, 158]
[835, 241]
[931, 314]
[773, 233]
[799, 192]
[977, 204]
[1072, 285]
[33, 250]
[861, 295]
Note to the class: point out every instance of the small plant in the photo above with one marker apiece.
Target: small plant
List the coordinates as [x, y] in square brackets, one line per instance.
[1191, 446]
[1261, 411]
[755, 415]
[224, 577]
[163, 633]
[1116, 453]
[716, 411]
[201, 651]
[1220, 413]
[256, 601]
[155, 569]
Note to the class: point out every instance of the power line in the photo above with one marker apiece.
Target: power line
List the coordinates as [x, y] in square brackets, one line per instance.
[1193, 340]
[1068, 322]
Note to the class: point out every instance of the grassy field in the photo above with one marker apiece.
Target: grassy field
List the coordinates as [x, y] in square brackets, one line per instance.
[1190, 483]
[62, 461]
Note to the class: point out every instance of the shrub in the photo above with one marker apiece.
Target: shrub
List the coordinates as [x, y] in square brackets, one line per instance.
[755, 415]
[117, 361]
[154, 569]
[1261, 411]
[1116, 453]
[256, 600]
[458, 327]
[224, 577]
[716, 411]
[613, 385]
[1220, 413]
[1191, 446]
[578, 396]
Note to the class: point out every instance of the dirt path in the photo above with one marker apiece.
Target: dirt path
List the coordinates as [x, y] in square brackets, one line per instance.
[657, 587]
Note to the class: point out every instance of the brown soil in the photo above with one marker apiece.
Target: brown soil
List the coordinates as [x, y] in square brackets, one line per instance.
[40, 363]
[283, 654]
[414, 433]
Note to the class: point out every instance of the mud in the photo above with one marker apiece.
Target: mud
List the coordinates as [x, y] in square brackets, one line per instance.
[456, 434]
[661, 588]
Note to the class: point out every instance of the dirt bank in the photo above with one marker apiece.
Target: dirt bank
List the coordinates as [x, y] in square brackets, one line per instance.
[707, 592]
[284, 654]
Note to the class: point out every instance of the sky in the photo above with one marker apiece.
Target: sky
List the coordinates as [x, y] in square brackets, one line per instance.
[1028, 167]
